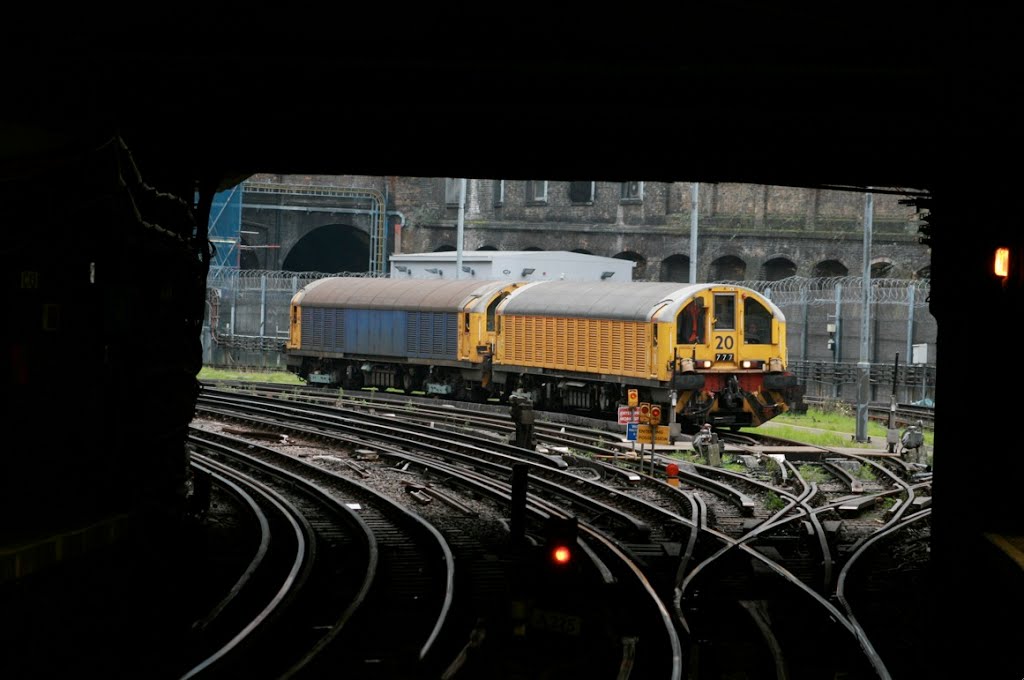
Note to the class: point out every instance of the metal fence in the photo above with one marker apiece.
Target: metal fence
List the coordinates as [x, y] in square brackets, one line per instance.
[828, 337]
[247, 326]
[246, 323]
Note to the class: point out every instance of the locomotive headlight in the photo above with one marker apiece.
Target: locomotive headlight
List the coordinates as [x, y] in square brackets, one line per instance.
[702, 363]
[750, 363]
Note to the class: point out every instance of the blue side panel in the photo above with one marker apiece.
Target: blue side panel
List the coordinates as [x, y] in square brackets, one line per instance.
[323, 330]
[446, 334]
[412, 337]
[378, 324]
[328, 330]
[357, 329]
[380, 333]
[432, 335]
[389, 333]
[339, 330]
[414, 334]
[312, 329]
[397, 333]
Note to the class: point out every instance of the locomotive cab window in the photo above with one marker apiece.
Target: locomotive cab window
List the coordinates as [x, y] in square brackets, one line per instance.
[757, 323]
[691, 322]
[725, 312]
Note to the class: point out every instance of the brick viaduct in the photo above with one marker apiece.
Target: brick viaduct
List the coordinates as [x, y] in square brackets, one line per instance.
[744, 232]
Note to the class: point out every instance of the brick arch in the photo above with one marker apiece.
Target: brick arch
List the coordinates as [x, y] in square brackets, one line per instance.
[776, 268]
[330, 249]
[830, 268]
[727, 268]
[884, 268]
[675, 267]
[639, 263]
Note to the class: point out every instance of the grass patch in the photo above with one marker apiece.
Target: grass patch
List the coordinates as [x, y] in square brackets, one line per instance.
[282, 377]
[866, 472]
[813, 473]
[797, 434]
[773, 503]
[836, 421]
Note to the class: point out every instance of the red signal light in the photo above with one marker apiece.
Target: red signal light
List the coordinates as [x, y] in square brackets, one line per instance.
[560, 538]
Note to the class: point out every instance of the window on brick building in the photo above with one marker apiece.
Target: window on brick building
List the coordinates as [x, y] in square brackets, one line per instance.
[537, 191]
[632, 191]
[582, 192]
[499, 193]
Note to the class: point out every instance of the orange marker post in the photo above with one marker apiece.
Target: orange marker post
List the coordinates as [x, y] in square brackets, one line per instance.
[672, 472]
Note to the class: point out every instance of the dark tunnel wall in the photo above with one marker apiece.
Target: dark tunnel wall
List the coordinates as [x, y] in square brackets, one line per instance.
[105, 283]
[104, 287]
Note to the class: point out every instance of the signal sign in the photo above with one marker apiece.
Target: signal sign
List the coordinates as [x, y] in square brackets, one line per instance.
[634, 397]
[645, 412]
[655, 414]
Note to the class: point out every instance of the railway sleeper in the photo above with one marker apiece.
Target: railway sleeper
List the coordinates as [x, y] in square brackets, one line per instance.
[858, 504]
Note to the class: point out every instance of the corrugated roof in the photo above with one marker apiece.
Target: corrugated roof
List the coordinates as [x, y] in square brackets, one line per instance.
[631, 301]
[384, 293]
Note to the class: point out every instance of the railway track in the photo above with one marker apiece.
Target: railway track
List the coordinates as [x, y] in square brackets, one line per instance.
[447, 466]
[774, 548]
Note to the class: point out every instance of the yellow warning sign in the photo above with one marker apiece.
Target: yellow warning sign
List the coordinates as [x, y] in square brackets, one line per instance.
[643, 434]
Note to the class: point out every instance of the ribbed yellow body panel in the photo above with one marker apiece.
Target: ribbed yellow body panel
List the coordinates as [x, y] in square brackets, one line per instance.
[578, 345]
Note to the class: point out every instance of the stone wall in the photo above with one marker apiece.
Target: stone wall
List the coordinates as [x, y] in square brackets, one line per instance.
[756, 231]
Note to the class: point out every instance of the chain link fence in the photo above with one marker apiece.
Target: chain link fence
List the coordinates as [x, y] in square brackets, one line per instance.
[829, 337]
[247, 326]
[246, 323]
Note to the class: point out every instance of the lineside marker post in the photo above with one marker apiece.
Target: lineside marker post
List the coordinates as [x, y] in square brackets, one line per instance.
[672, 473]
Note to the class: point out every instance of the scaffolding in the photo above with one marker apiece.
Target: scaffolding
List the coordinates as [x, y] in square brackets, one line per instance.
[225, 227]
[363, 201]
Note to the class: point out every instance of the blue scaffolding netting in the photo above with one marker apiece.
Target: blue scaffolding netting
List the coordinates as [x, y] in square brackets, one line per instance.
[225, 227]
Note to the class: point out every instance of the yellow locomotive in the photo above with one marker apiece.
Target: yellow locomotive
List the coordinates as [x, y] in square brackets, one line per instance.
[703, 352]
